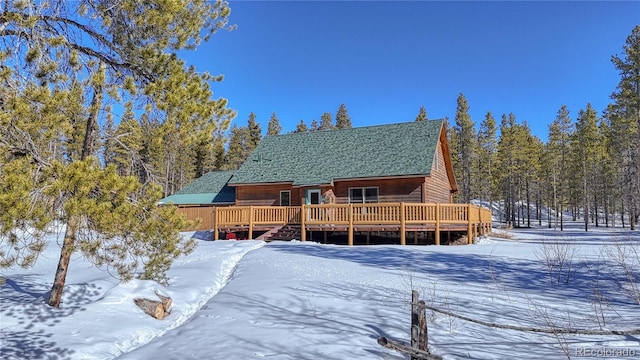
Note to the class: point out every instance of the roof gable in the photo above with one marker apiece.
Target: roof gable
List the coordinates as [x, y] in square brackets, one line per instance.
[210, 188]
[320, 157]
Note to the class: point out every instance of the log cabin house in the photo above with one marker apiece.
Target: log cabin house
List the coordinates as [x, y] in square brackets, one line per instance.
[395, 178]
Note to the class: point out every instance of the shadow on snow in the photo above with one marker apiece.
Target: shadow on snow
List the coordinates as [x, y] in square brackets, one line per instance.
[25, 300]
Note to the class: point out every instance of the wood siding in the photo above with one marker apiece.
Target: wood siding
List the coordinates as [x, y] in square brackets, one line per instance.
[264, 195]
[438, 186]
[202, 213]
[389, 190]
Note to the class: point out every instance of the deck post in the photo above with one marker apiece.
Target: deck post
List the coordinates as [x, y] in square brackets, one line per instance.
[303, 227]
[480, 226]
[437, 223]
[250, 236]
[216, 236]
[469, 227]
[403, 226]
[350, 240]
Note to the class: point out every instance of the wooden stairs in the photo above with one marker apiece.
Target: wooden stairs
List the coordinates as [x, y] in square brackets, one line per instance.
[282, 232]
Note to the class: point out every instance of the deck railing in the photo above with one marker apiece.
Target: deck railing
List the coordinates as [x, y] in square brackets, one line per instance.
[476, 219]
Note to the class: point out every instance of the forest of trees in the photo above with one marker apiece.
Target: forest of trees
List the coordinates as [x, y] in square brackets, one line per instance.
[588, 166]
[243, 139]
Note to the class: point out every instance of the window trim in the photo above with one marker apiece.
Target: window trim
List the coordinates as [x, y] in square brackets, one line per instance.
[364, 194]
[282, 192]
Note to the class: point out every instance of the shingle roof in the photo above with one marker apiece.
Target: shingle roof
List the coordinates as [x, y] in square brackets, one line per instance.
[319, 157]
[210, 188]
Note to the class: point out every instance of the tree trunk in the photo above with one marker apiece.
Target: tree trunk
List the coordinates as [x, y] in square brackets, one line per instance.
[595, 208]
[622, 212]
[68, 244]
[528, 192]
[88, 146]
[606, 211]
[63, 263]
[549, 215]
[585, 197]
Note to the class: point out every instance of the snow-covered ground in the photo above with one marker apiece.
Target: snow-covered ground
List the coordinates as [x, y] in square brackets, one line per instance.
[295, 300]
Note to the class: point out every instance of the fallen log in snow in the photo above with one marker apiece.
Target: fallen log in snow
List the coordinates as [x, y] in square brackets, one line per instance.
[154, 308]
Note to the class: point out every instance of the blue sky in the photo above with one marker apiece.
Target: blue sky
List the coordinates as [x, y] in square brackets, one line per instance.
[384, 60]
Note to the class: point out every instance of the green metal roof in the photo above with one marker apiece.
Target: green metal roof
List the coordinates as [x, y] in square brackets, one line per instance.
[210, 188]
[319, 157]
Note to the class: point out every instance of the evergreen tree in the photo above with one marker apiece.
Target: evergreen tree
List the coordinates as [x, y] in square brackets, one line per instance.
[422, 114]
[622, 148]
[526, 155]
[466, 145]
[508, 167]
[273, 127]
[536, 150]
[314, 125]
[326, 122]
[343, 120]
[79, 57]
[586, 141]
[487, 147]
[625, 117]
[608, 171]
[128, 147]
[255, 132]
[239, 143]
[560, 132]
[219, 156]
[301, 127]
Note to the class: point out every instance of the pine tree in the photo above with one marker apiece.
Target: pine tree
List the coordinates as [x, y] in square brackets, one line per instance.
[526, 153]
[55, 89]
[273, 127]
[466, 145]
[422, 114]
[487, 147]
[608, 170]
[314, 125]
[255, 132]
[536, 151]
[625, 117]
[128, 147]
[623, 151]
[343, 120]
[239, 144]
[508, 167]
[560, 132]
[586, 141]
[301, 127]
[326, 122]
[219, 156]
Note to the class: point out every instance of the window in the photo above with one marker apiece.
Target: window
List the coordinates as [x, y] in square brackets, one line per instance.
[363, 195]
[285, 198]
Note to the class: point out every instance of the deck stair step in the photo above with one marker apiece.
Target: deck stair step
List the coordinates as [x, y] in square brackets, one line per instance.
[283, 233]
[270, 233]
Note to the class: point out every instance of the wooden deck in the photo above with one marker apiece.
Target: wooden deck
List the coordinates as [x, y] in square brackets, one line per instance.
[401, 217]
